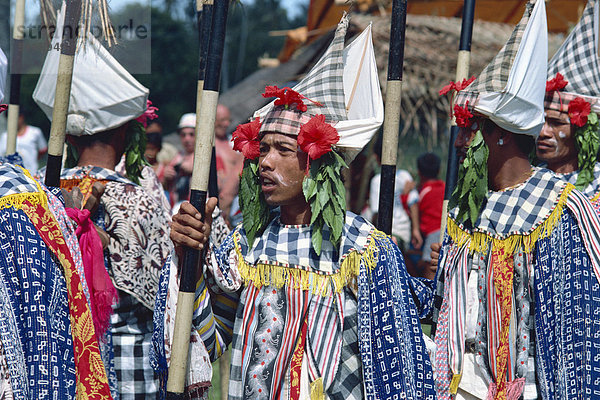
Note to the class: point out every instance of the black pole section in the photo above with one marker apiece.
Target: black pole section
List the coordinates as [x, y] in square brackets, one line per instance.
[16, 57]
[391, 125]
[204, 18]
[192, 260]
[466, 34]
[63, 93]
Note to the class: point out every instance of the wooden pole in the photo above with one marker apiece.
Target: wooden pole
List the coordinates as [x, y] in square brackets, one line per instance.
[192, 259]
[15, 77]
[63, 93]
[462, 72]
[391, 123]
[204, 12]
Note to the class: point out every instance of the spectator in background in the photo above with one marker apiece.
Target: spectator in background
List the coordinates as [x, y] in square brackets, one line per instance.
[177, 177]
[431, 199]
[153, 147]
[31, 143]
[229, 162]
[405, 226]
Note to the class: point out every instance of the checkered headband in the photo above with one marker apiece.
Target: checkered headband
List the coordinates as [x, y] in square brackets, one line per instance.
[323, 84]
[578, 62]
[494, 76]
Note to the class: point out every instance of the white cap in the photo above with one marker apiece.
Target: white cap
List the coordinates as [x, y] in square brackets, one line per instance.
[103, 94]
[187, 121]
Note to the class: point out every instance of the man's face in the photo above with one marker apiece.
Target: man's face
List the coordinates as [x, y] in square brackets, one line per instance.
[282, 169]
[556, 143]
[151, 152]
[188, 139]
[463, 141]
[222, 121]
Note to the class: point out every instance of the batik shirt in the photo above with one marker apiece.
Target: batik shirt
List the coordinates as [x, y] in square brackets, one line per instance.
[535, 257]
[48, 344]
[343, 324]
[138, 247]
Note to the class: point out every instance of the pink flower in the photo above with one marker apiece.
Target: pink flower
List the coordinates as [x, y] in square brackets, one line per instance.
[150, 113]
[316, 137]
[245, 139]
[3, 107]
[462, 115]
[579, 109]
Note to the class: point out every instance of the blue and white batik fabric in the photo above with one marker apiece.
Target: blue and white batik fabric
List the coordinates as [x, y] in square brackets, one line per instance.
[550, 261]
[35, 330]
[343, 324]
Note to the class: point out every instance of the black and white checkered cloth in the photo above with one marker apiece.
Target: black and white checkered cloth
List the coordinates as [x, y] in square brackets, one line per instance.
[324, 84]
[285, 246]
[13, 181]
[521, 210]
[132, 339]
[494, 76]
[577, 61]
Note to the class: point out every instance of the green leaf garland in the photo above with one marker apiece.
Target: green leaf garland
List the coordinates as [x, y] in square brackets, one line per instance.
[324, 191]
[472, 186]
[255, 210]
[135, 148]
[587, 142]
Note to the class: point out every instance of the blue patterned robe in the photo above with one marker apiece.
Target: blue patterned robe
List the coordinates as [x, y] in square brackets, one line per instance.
[363, 336]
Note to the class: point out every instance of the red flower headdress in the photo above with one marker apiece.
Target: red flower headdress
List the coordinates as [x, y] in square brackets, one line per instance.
[557, 84]
[579, 109]
[317, 137]
[288, 97]
[462, 115]
[245, 139]
[150, 113]
[457, 86]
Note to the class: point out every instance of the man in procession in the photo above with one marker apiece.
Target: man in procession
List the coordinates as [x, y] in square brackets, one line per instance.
[569, 142]
[316, 302]
[519, 269]
[106, 116]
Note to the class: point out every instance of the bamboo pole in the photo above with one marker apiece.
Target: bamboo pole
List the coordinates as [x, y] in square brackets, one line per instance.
[204, 12]
[192, 259]
[63, 93]
[462, 71]
[391, 124]
[15, 77]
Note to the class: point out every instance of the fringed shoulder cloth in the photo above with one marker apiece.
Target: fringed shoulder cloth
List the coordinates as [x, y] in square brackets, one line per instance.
[534, 245]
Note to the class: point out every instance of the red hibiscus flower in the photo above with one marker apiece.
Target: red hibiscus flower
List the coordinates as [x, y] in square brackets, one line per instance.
[456, 86]
[150, 113]
[556, 83]
[462, 115]
[579, 109]
[288, 97]
[316, 137]
[245, 139]
[3, 107]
